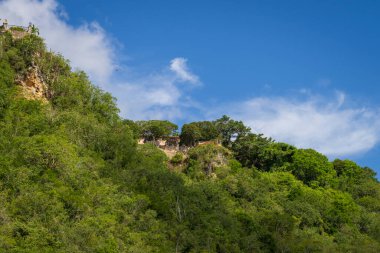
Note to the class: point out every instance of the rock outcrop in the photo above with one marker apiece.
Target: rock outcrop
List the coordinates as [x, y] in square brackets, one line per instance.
[33, 87]
[16, 35]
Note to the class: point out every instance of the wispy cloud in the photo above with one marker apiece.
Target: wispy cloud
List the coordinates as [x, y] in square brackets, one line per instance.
[162, 95]
[330, 126]
[87, 46]
[179, 67]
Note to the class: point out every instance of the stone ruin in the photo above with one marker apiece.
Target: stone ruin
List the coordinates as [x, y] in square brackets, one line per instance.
[17, 31]
[172, 143]
[32, 84]
[167, 143]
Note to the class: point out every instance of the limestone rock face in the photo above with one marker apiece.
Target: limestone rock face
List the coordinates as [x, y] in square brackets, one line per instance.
[33, 87]
[18, 34]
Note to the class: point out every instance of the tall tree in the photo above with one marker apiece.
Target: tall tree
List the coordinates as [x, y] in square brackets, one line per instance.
[312, 167]
[155, 129]
[230, 129]
[190, 134]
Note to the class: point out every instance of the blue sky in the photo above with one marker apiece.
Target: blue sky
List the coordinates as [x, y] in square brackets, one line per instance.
[304, 72]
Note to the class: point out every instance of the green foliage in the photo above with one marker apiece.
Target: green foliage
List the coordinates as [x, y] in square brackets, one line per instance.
[177, 158]
[6, 74]
[190, 134]
[207, 158]
[75, 92]
[152, 130]
[312, 167]
[207, 130]
[251, 150]
[359, 182]
[224, 128]
[73, 179]
[194, 132]
[6, 81]
[52, 67]
[17, 28]
[134, 127]
[21, 53]
[230, 129]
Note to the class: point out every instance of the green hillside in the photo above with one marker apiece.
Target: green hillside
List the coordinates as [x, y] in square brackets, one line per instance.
[73, 177]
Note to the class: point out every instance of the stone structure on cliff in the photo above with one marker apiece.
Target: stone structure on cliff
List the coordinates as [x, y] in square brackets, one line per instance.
[18, 32]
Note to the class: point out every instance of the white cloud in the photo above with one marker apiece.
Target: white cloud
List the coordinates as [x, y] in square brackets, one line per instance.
[313, 122]
[87, 47]
[162, 95]
[179, 67]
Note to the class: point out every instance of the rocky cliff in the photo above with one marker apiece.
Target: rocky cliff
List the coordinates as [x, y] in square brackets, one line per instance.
[32, 86]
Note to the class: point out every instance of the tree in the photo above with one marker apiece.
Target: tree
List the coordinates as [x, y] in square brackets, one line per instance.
[6, 82]
[190, 135]
[135, 128]
[250, 150]
[209, 156]
[152, 130]
[312, 167]
[198, 131]
[207, 129]
[278, 156]
[230, 129]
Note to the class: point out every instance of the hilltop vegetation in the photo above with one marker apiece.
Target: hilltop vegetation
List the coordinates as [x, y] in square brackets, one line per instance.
[73, 179]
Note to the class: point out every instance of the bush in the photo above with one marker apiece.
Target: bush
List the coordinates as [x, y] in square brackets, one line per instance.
[177, 158]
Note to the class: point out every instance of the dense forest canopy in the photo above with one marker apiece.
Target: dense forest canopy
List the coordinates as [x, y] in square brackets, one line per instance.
[74, 179]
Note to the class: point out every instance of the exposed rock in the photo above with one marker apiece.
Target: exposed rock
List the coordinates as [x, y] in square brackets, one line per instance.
[170, 153]
[18, 34]
[33, 87]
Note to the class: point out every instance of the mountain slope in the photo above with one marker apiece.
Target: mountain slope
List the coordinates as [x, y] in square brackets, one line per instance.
[73, 179]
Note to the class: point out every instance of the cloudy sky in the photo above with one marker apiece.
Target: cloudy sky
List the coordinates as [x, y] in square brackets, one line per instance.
[302, 72]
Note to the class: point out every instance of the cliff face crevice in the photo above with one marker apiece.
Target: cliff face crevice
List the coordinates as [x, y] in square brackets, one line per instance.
[33, 87]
